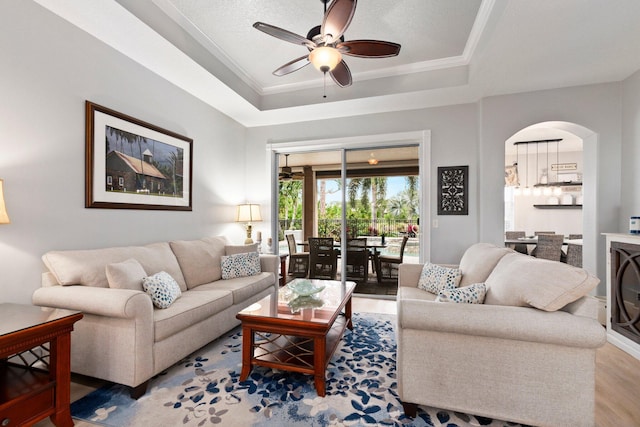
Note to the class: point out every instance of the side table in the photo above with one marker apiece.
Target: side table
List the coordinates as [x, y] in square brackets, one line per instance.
[27, 393]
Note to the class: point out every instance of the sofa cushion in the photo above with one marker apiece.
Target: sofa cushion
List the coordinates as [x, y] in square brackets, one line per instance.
[240, 249]
[200, 259]
[472, 294]
[242, 288]
[521, 280]
[127, 274]
[192, 307]
[478, 262]
[88, 267]
[240, 265]
[435, 278]
[162, 289]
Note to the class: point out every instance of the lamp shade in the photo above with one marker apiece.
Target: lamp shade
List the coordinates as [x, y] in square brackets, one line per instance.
[4, 217]
[325, 58]
[248, 213]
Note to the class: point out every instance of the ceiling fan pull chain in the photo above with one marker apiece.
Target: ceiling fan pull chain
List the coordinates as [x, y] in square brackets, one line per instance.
[324, 89]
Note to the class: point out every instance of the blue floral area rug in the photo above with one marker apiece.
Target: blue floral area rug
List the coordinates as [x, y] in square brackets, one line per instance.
[205, 389]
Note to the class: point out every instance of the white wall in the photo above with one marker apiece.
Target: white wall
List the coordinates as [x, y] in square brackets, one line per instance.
[596, 107]
[630, 190]
[453, 143]
[49, 68]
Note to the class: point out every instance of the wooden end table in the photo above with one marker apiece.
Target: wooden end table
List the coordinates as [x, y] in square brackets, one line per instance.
[301, 339]
[28, 393]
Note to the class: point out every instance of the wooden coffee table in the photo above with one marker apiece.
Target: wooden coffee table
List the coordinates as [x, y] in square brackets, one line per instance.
[291, 334]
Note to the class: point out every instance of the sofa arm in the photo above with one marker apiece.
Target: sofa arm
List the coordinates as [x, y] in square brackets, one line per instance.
[409, 274]
[504, 322]
[106, 302]
[270, 263]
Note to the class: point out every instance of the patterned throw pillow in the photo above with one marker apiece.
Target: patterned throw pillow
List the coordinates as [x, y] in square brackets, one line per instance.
[435, 278]
[162, 288]
[240, 265]
[472, 294]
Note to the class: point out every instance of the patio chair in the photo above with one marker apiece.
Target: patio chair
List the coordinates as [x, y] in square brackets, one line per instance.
[323, 258]
[298, 261]
[357, 260]
[518, 247]
[387, 265]
[550, 246]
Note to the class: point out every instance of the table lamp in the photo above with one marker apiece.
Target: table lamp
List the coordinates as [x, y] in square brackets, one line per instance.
[248, 213]
[4, 217]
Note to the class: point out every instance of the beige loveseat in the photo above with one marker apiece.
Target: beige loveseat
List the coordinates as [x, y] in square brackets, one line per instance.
[503, 359]
[123, 337]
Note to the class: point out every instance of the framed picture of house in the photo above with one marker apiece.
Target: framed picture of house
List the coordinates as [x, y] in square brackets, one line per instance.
[453, 190]
[131, 164]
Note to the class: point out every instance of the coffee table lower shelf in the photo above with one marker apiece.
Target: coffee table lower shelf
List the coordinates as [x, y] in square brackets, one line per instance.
[296, 349]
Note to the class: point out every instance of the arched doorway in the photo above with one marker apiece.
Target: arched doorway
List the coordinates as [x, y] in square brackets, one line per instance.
[565, 164]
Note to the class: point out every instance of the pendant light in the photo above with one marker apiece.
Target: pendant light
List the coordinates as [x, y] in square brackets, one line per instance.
[557, 191]
[527, 191]
[547, 190]
[517, 191]
[536, 189]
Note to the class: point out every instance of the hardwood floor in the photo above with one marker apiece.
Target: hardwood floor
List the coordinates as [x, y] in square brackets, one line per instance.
[617, 378]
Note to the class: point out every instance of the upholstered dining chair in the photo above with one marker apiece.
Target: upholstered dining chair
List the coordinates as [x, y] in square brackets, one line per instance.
[549, 246]
[323, 259]
[357, 260]
[575, 236]
[537, 233]
[387, 265]
[574, 255]
[298, 261]
[518, 247]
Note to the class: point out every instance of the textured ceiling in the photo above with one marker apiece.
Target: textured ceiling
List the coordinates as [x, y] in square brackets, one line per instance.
[453, 51]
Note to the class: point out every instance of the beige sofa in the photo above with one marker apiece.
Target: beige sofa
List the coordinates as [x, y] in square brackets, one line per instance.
[504, 359]
[123, 337]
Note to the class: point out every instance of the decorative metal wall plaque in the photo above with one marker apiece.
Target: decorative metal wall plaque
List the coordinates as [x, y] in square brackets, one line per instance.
[453, 190]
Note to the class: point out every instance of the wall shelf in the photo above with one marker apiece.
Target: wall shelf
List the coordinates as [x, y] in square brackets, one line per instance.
[558, 206]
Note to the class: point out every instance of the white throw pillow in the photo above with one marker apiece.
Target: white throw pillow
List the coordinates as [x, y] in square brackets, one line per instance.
[162, 289]
[240, 265]
[472, 294]
[435, 278]
[125, 275]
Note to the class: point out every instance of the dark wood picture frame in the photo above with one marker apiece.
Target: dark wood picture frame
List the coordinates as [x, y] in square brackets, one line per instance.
[453, 190]
[131, 164]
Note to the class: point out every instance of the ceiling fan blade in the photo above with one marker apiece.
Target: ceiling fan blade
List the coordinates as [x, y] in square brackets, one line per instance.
[292, 66]
[370, 48]
[341, 74]
[337, 19]
[285, 35]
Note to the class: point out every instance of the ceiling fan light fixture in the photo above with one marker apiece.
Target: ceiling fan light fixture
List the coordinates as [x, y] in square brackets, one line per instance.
[325, 58]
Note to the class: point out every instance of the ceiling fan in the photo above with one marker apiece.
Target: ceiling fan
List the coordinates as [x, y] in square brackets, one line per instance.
[326, 43]
[286, 173]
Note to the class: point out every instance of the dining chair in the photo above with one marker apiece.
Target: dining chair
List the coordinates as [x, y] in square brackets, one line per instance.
[357, 260]
[387, 265]
[575, 236]
[518, 247]
[298, 261]
[549, 246]
[323, 258]
[537, 233]
[574, 255]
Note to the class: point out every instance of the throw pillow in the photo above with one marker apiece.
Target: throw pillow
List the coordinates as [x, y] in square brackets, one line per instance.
[472, 294]
[240, 265]
[435, 278]
[240, 249]
[125, 275]
[524, 281]
[162, 289]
